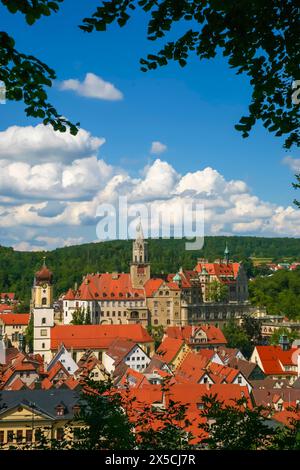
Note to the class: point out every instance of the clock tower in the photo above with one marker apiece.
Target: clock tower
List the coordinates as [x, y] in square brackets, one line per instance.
[42, 291]
[43, 312]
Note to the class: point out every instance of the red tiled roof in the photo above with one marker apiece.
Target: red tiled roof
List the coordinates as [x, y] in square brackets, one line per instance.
[168, 349]
[108, 286]
[214, 334]
[6, 308]
[287, 417]
[133, 378]
[70, 295]
[96, 336]
[15, 318]
[17, 384]
[152, 285]
[7, 295]
[222, 373]
[220, 270]
[192, 367]
[58, 366]
[193, 393]
[273, 356]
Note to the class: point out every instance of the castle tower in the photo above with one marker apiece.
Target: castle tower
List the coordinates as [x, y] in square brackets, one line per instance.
[140, 266]
[43, 312]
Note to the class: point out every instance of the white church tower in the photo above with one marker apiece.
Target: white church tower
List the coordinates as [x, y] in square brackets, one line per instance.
[43, 312]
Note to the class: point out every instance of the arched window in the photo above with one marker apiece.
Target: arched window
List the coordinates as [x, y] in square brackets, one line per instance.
[44, 301]
[43, 321]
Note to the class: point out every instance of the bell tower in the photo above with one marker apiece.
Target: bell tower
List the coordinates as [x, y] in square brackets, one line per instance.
[140, 266]
[43, 312]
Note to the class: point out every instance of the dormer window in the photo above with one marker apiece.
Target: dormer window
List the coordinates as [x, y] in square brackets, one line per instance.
[76, 409]
[60, 410]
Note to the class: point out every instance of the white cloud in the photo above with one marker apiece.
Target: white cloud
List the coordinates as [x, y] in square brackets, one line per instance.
[157, 148]
[38, 144]
[49, 203]
[292, 163]
[93, 87]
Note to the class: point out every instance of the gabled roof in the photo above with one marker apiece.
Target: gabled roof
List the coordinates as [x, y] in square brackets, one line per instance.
[132, 378]
[96, 336]
[168, 349]
[192, 367]
[273, 358]
[187, 333]
[58, 367]
[224, 374]
[245, 367]
[7, 295]
[119, 349]
[220, 270]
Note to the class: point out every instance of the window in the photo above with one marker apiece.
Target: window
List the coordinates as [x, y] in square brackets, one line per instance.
[29, 435]
[43, 345]
[239, 379]
[155, 322]
[19, 435]
[60, 410]
[1, 437]
[43, 321]
[44, 301]
[168, 322]
[10, 436]
[43, 332]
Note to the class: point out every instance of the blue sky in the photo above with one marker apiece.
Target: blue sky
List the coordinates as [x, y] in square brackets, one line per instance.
[191, 110]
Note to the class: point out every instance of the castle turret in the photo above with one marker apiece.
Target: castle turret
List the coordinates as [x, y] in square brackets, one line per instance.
[140, 266]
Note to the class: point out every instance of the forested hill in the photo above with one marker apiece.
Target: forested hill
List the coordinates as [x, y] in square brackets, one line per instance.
[69, 264]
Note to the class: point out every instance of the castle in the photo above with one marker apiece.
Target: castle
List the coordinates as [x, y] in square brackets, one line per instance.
[211, 293]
